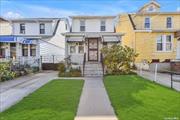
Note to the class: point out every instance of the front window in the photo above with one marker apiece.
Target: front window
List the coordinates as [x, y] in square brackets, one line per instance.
[82, 26]
[24, 50]
[33, 50]
[22, 28]
[2, 50]
[42, 28]
[103, 25]
[164, 43]
[147, 23]
[160, 43]
[169, 22]
[168, 43]
[72, 49]
[81, 48]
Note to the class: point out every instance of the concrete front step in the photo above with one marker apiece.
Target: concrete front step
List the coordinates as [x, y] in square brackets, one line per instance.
[96, 118]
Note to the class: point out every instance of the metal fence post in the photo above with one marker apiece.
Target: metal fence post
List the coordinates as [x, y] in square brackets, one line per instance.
[155, 75]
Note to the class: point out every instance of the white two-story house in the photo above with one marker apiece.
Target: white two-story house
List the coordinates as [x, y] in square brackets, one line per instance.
[87, 37]
[46, 33]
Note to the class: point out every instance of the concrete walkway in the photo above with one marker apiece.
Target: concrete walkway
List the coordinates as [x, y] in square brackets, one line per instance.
[162, 78]
[13, 91]
[94, 102]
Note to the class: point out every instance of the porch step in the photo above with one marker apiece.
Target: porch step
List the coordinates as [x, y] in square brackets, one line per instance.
[93, 69]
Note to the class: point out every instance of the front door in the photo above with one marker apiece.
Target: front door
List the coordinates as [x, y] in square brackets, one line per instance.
[178, 49]
[93, 49]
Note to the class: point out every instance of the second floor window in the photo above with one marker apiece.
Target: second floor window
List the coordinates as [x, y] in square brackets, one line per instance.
[103, 25]
[169, 22]
[82, 25]
[147, 23]
[42, 28]
[22, 28]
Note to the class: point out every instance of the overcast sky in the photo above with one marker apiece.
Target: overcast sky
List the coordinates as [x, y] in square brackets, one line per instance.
[64, 8]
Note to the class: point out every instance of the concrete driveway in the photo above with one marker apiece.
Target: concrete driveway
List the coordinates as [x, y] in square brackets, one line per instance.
[13, 91]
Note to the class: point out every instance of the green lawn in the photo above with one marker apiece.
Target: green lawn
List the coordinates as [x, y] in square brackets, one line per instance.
[135, 98]
[57, 100]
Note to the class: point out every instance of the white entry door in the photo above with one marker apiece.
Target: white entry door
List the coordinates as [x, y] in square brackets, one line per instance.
[178, 49]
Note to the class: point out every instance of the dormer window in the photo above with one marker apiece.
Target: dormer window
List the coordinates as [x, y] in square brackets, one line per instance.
[151, 9]
[42, 28]
[103, 25]
[147, 23]
[169, 22]
[82, 25]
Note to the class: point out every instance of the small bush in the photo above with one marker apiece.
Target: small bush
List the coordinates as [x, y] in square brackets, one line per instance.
[5, 72]
[119, 59]
[61, 67]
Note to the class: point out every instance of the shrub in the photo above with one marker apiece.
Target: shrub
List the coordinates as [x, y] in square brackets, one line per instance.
[5, 72]
[119, 59]
[70, 72]
[61, 67]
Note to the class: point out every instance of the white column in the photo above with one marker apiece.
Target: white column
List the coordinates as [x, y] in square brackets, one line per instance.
[37, 49]
[7, 51]
[29, 50]
[17, 50]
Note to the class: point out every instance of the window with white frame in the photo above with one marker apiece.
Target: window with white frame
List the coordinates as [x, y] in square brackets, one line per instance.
[151, 9]
[32, 50]
[81, 48]
[103, 25]
[160, 43]
[72, 49]
[42, 28]
[164, 43]
[24, 50]
[22, 28]
[169, 22]
[82, 25]
[147, 23]
[168, 42]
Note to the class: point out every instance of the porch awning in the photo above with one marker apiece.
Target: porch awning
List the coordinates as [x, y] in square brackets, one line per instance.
[7, 39]
[111, 38]
[75, 39]
[14, 39]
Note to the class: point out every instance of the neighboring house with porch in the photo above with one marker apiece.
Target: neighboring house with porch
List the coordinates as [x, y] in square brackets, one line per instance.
[15, 47]
[151, 33]
[48, 31]
[88, 36]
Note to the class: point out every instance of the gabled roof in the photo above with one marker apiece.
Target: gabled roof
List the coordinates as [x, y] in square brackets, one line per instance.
[36, 19]
[151, 2]
[91, 17]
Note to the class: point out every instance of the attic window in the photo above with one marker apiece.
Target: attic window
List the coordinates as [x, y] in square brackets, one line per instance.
[151, 9]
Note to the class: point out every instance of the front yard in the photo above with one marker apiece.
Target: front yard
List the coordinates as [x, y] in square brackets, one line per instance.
[135, 98]
[57, 100]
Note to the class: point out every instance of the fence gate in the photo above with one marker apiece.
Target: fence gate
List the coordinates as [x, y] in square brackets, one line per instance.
[51, 62]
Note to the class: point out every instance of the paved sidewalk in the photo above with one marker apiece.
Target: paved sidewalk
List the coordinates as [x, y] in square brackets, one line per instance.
[162, 78]
[94, 102]
[13, 91]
